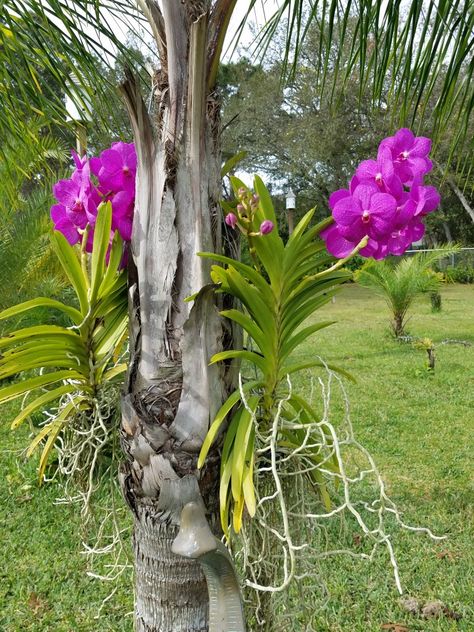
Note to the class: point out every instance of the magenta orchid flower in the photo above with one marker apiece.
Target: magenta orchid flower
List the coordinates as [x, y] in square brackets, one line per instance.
[366, 212]
[63, 224]
[381, 172]
[118, 168]
[427, 198]
[409, 154]
[342, 193]
[266, 227]
[79, 197]
[76, 196]
[386, 200]
[401, 239]
[231, 220]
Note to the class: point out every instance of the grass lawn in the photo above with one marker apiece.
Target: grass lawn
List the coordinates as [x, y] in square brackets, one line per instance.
[418, 425]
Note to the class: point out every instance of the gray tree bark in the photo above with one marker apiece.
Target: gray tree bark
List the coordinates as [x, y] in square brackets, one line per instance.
[172, 394]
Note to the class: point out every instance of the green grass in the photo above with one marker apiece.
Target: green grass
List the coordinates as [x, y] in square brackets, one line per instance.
[419, 427]
[43, 581]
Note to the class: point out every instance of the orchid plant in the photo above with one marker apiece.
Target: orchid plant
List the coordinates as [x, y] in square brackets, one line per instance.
[73, 366]
[380, 214]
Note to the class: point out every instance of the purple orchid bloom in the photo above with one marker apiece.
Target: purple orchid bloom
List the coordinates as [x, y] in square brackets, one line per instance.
[122, 214]
[381, 172]
[426, 198]
[118, 168]
[78, 161]
[76, 196]
[378, 205]
[409, 154]
[336, 244]
[266, 227]
[79, 199]
[366, 212]
[63, 224]
[342, 193]
[401, 239]
[231, 220]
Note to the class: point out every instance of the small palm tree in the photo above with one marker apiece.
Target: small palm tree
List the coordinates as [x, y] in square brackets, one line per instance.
[400, 281]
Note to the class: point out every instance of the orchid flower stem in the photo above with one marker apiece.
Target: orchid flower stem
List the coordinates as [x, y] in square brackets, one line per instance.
[362, 243]
[84, 255]
[339, 264]
[253, 253]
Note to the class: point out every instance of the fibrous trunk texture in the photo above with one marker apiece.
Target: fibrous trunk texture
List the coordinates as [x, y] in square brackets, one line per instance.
[171, 592]
[172, 392]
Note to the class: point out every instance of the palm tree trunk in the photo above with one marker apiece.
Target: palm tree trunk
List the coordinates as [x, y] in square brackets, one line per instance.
[398, 325]
[165, 581]
[172, 392]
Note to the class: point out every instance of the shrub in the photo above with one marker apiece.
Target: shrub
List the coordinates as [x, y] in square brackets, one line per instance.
[459, 274]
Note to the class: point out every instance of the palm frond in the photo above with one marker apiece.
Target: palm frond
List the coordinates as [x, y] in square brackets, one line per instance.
[405, 56]
[43, 44]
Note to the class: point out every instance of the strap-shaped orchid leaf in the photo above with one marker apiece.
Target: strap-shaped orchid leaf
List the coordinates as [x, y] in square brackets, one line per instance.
[21, 308]
[242, 439]
[71, 266]
[220, 417]
[100, 246]
[250, 356]
[16, 390]
[40, 402]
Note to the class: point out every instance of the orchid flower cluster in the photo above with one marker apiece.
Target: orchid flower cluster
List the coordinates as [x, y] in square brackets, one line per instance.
[246, 208]
[386, 200]
[109, 177]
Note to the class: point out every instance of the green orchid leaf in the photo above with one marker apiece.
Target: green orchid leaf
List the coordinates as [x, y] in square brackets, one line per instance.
[262, 312]
[247, 272]
[244, 435]
[114, 371]
[222, 413]
[37, 331]
[46, 398]
[248, 487]
[71, 266]
[16, 390]
[112, 271]
[250, 356]
[295, 340]
[224, 499]
[288, 369]
[232, 163]
[74, 314]
[251, 328]
[99, 248]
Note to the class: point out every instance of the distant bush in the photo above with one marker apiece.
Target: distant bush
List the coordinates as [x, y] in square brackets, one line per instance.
[459, 274]
[355, 263]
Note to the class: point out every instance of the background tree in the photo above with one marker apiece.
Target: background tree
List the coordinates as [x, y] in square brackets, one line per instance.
[311, 142]
[171, 392]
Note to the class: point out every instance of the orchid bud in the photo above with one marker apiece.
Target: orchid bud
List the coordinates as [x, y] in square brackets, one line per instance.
[231, 220]
[241, 192]
[266, 227]
[240, 208]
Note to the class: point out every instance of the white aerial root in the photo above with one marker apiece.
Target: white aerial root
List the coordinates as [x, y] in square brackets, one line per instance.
[87, 464]
[80, 447]
[291, 530]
